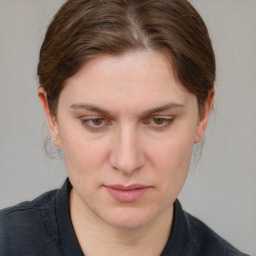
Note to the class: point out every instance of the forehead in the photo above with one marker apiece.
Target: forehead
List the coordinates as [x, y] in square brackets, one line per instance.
[139, 78]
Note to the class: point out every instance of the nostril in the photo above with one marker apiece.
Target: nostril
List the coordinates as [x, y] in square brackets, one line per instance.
[127, 163]
[126, 155]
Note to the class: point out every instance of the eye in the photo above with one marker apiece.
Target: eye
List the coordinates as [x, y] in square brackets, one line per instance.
[95, 124]
[96, 121]
[159, 121]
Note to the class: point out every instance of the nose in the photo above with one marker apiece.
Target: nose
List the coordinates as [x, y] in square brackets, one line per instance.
[127, 155]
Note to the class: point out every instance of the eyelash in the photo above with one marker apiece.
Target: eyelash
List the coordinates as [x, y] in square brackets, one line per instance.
[89, 123]
[165, 121]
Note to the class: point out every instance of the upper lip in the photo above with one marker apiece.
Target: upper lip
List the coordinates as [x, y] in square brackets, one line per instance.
[130, 187]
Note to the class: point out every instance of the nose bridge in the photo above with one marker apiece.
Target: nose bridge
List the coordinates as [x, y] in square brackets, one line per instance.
[127, 155]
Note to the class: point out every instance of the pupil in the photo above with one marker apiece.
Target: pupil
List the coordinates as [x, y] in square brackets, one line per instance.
[158, 120]
[97, 121]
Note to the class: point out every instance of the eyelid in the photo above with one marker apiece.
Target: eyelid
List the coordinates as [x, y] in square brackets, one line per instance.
[85, 121]
[167, 121]
[93, 119]
[160, 117]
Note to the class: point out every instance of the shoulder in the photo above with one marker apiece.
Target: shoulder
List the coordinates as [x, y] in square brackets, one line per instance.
[205, 240]
[27, 212]
[26, 225]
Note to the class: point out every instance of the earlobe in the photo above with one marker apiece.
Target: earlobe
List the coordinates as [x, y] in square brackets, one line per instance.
[204, 118]
[52, 122]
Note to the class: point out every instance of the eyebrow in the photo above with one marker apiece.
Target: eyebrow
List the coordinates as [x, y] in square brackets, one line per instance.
[91, 108]
[102, 111]
[162, 108]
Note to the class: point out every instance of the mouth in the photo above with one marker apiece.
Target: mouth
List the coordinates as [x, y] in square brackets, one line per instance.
[127, 194]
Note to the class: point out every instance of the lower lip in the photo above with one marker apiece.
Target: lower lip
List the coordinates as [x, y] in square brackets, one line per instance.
[127, 196]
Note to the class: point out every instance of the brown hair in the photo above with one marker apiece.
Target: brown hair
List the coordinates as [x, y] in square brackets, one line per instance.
[82, 29]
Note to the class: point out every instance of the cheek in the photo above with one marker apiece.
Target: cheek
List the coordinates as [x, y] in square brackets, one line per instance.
[83, 156]
[171, 160]
[84, 162]
[174, 151]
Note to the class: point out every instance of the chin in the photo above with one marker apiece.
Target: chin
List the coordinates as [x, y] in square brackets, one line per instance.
[127, 219]
[126, 224]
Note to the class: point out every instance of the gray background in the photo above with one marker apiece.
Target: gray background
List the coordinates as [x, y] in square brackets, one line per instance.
[220, 189]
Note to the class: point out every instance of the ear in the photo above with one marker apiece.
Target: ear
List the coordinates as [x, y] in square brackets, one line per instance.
[204, 117]
[52, 122]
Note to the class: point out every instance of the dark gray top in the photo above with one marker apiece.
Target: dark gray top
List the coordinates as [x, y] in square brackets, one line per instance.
[43, 227]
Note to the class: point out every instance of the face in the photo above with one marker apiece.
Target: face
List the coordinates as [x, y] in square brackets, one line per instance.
[127, 128]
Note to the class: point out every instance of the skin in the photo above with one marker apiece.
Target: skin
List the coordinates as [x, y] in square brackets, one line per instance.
[126, 120]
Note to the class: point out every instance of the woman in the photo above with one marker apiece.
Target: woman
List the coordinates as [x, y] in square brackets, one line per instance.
[127, 88]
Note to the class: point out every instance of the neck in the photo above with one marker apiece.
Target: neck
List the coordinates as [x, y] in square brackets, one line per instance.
[98, 238]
